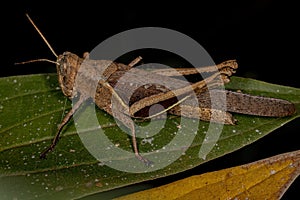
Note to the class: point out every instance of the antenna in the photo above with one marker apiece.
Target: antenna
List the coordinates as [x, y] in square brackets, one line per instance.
[37, 60]
[43, 37]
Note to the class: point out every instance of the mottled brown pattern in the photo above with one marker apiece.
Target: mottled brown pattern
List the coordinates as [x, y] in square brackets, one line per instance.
[103, 81]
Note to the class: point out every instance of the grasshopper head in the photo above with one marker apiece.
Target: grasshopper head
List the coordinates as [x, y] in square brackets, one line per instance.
[67, 67]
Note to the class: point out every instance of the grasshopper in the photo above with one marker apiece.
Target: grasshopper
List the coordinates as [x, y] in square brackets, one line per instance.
[70, 67]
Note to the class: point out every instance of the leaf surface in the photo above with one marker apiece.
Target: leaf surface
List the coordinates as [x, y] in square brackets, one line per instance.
[264, 179]
[32, 106]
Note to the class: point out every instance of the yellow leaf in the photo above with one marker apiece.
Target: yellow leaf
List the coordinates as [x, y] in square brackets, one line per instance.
[264, 179]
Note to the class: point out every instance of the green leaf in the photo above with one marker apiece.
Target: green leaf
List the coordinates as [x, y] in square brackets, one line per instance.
[32, 106]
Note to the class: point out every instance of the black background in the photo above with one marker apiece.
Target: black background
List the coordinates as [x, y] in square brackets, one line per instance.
[262, 35]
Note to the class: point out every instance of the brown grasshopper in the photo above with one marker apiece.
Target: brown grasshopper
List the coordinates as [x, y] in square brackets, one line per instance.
[70, 67]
